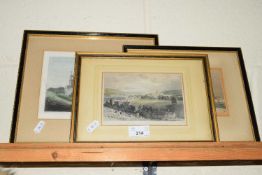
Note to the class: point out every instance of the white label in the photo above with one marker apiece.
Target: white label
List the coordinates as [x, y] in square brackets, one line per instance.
[138, 131]
[92, 126]
[40, 125]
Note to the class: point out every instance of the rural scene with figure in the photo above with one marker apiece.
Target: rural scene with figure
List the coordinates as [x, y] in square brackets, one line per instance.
[143, 97]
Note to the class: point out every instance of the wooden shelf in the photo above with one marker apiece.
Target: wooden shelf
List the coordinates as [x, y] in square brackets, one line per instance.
[131, 152]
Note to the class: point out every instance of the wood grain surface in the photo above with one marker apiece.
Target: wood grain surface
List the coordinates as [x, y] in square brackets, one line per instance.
[123, 152]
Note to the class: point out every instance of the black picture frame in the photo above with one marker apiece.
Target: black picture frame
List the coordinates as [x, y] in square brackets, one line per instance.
[199, 48]
[69, 33]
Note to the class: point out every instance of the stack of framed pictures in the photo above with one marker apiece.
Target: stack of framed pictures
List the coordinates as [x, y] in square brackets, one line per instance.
[80, 87]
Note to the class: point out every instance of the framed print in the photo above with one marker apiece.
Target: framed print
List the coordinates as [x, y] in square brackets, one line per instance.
[42, 109]
[234, 107]
[138, 97]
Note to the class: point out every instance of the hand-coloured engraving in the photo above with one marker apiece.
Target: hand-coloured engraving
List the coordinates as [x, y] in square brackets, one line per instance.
[143, 97]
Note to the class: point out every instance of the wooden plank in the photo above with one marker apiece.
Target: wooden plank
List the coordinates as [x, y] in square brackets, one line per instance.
[122, 152]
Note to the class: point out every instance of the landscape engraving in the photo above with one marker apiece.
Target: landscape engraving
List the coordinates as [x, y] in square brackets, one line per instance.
[57, 85]
[143, 98]
[219, 92]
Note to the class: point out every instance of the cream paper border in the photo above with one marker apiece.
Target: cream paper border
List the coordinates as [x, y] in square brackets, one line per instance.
[198, 126]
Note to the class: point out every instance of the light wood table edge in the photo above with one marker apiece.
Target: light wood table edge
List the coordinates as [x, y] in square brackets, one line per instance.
[123, 152]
